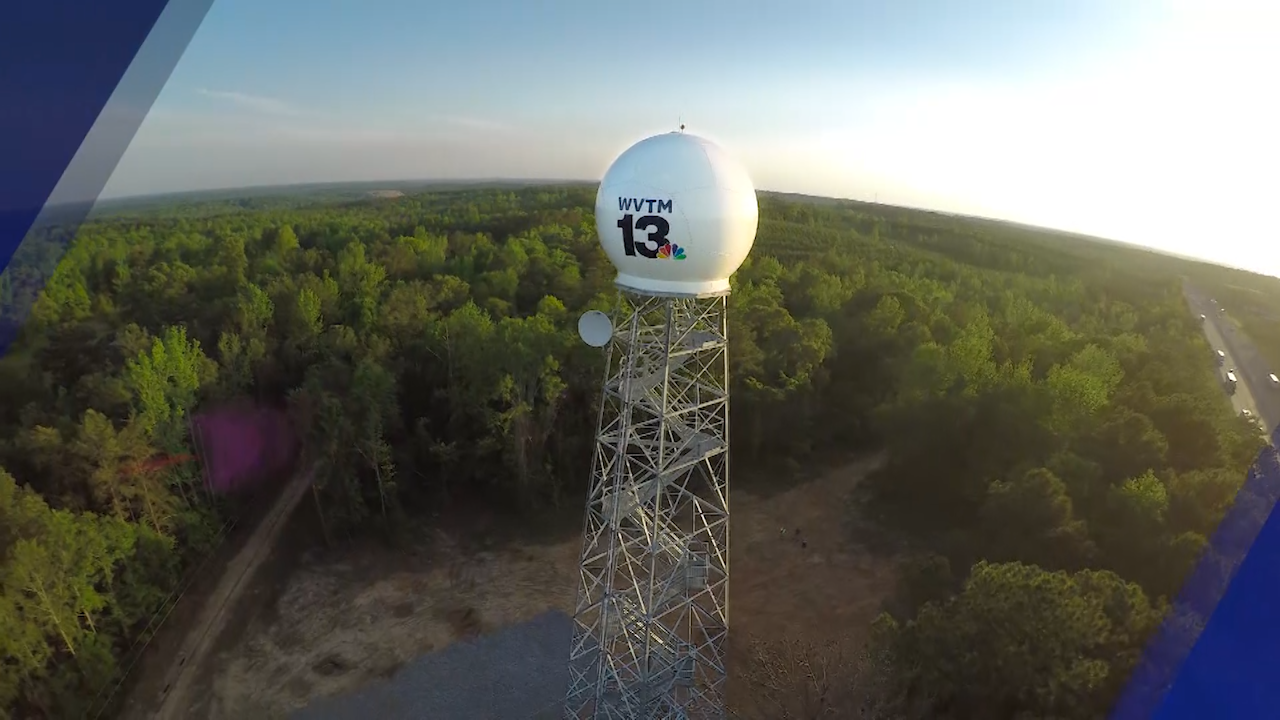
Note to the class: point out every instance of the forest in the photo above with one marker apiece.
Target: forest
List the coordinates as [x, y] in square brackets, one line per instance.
[1058, 444]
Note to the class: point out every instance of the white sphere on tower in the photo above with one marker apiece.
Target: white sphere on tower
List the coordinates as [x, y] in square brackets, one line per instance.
[676, 215]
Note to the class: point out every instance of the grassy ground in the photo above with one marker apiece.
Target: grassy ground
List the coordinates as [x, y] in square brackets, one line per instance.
[324, 623]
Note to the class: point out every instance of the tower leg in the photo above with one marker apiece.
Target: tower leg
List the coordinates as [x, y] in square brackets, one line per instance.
[651, 618]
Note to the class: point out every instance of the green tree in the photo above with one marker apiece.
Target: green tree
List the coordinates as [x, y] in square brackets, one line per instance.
[1021, 642]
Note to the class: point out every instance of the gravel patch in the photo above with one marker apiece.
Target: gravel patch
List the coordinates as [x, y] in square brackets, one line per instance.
[517, 673]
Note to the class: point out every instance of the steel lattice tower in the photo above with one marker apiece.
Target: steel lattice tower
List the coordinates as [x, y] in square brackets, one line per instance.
[651, 619]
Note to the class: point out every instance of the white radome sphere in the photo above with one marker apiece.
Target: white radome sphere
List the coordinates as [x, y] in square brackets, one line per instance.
[677, 215]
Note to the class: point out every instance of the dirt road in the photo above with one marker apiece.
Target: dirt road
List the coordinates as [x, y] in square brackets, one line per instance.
[173, 700]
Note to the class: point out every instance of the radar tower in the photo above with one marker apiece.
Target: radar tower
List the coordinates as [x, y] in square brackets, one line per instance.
[677, 216]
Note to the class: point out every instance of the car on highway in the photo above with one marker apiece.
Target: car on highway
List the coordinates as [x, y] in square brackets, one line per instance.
[1275, 381]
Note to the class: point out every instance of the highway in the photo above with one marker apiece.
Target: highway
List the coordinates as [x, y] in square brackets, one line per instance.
[1254, 391]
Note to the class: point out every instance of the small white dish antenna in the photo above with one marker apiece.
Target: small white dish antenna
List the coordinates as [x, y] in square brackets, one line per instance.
[595, 328]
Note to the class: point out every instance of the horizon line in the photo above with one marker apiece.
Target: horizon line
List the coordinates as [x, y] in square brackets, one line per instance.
[142, 197]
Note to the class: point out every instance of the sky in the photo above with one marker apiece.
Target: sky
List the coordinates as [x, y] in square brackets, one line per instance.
[1146, 121]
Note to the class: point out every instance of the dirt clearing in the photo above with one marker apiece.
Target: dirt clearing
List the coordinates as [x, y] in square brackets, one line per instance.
[342, 619]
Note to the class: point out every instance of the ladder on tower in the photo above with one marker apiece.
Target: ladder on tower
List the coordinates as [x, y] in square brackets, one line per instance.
[671, 660]
[694, 447]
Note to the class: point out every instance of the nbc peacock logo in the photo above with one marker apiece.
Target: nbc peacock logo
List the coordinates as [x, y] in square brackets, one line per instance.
[672, 251]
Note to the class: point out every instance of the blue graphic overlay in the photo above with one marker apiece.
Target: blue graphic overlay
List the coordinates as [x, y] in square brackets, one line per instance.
[76, 79]
[1215, 655]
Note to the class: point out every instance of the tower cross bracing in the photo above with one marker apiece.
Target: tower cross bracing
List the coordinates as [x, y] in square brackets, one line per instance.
[651, 618]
